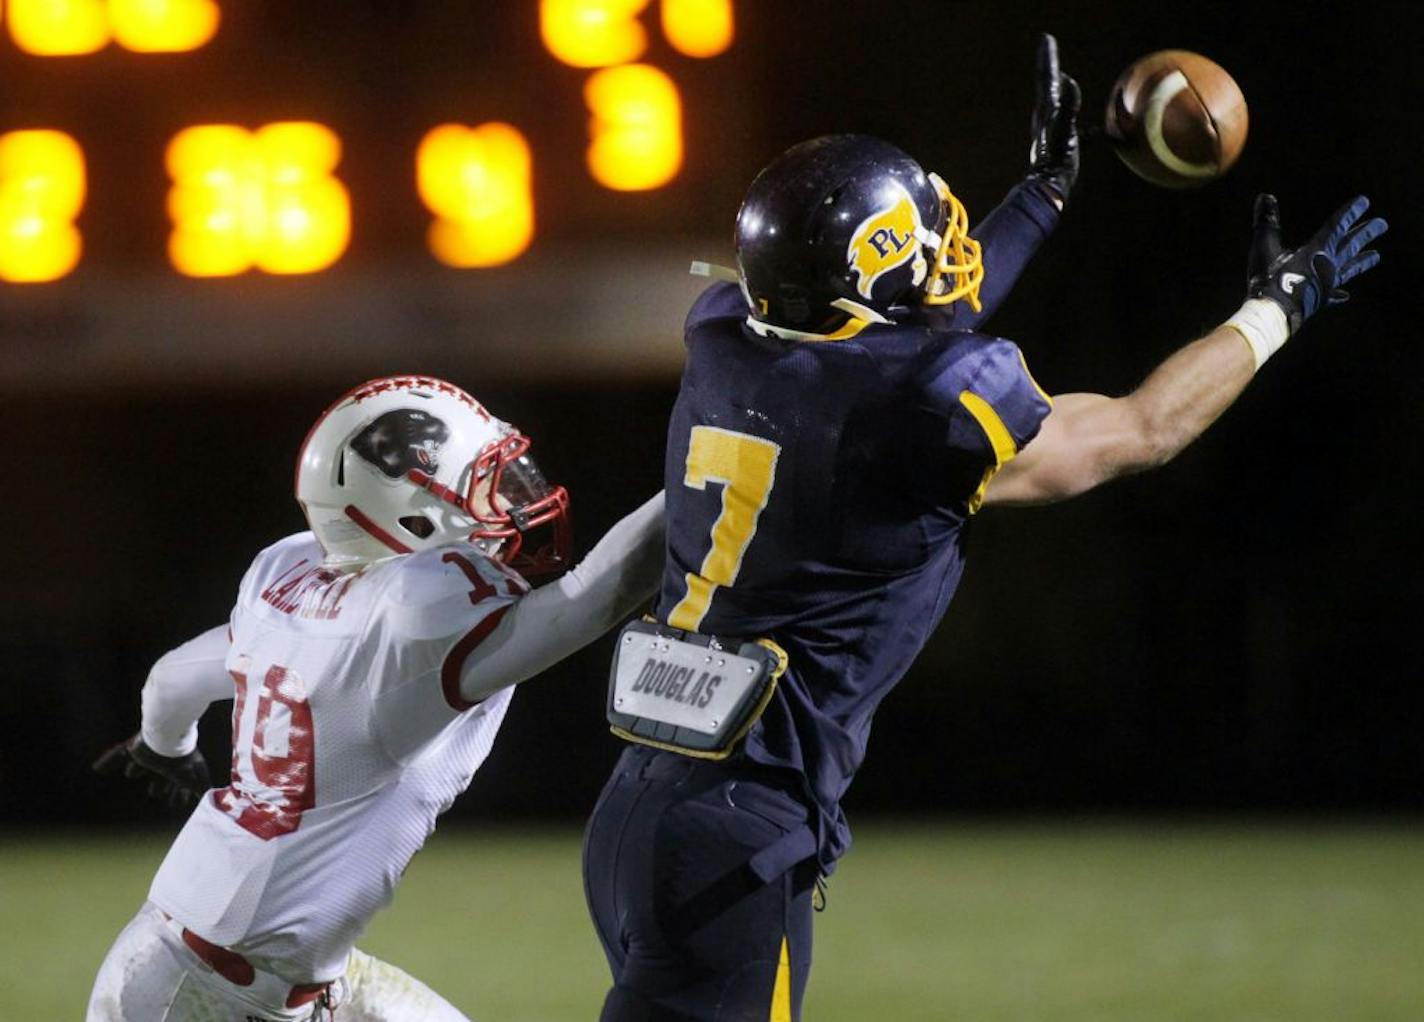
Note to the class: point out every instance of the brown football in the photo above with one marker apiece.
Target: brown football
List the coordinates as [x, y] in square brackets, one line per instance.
[1177, 119]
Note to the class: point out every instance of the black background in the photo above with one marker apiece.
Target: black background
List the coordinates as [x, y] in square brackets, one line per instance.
[1234, 631]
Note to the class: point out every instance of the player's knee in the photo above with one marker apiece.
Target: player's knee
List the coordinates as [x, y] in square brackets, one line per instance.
[375, 989]
[759, 990]
[624, 1005]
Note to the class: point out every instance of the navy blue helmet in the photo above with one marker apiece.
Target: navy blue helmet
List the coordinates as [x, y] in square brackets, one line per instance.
[845, 227]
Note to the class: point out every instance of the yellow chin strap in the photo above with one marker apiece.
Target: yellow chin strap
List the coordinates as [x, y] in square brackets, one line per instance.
[958, 257]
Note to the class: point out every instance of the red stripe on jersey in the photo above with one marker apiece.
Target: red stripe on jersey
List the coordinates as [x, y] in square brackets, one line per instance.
[455, 659]
[354, 513]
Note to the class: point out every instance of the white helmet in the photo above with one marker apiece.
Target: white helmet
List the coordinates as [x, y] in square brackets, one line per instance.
[409, 462]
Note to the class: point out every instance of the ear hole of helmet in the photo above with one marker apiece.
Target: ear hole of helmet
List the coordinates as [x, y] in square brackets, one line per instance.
[418, 526]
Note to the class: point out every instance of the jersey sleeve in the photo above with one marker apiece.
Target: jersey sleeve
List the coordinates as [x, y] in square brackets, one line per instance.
[442, 604]
[180, 687]
[1010, 236]
[992, 403]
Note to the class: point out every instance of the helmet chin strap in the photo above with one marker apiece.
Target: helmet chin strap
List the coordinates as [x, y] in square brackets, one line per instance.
[855, 310]
[367, 524]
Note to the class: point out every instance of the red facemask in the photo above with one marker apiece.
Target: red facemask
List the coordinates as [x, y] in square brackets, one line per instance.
[512, 501]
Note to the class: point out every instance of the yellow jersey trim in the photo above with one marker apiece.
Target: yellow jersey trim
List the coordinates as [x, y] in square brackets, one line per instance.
[1027, 372]
[999, 438]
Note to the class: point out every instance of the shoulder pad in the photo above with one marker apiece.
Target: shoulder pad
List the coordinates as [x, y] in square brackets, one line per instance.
[446, 590]
[991, 381]
[281, 557]
[431, 576]
[722, 300]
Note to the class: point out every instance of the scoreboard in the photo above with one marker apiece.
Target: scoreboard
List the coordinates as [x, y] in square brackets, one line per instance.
[71, 28]
[271, 198]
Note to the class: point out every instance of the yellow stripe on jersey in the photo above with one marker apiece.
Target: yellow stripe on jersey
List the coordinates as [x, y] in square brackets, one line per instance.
[992, 425]
[999, 438]
[1041, 392]
[781, 993]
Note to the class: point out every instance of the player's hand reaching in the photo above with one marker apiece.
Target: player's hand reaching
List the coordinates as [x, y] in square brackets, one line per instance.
[1304, 280]
[178, 781]
[1054, 156]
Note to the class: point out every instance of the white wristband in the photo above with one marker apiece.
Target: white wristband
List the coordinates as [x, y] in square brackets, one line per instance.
[1263, 324]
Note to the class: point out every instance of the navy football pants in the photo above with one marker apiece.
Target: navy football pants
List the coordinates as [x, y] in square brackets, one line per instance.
[691, 931]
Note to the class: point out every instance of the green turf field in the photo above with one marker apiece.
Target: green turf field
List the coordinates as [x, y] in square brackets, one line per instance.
[1099, 922]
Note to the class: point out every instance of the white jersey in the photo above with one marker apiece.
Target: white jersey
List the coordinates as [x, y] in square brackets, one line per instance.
[349, 738]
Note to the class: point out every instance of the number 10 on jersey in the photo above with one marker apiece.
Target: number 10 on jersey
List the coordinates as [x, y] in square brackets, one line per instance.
[745, 466]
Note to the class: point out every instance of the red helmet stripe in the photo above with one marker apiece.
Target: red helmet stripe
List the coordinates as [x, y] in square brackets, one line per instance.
[426, 481]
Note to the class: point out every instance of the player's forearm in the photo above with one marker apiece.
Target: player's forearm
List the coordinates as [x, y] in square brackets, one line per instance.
[1185, 395]
[1010, 235]
[624, 567]
[1089, 439]
[1284, 289]
[620, 573]
[180, 687]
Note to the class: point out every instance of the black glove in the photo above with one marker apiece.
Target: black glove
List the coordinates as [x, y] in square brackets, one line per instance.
[1054, 157]
[178, 781]
[1303, 280]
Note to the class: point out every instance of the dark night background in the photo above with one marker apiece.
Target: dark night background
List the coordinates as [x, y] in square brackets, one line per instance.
[1236, 631]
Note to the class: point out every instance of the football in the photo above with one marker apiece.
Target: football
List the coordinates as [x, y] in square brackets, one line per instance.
[1177, 119]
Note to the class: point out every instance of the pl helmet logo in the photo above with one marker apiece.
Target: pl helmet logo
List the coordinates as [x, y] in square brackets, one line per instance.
[886, 240]
[400, 440]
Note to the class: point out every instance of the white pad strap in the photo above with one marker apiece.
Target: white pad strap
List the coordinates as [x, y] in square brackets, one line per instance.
[864, 313]
[701, 268]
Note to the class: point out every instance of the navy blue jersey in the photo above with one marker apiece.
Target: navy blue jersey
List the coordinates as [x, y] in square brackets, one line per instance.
[818, 491]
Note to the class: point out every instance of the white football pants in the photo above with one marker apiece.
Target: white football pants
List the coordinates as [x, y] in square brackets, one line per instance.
[150, 975]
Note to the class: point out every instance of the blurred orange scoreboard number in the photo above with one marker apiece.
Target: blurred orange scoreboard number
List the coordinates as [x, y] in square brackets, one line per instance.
[71, 28]
[270, 199]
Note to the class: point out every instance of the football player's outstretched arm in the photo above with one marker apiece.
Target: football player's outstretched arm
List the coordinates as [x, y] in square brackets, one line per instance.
[1013, 231]
[179, 688]
[1088, 439]
[621, 572]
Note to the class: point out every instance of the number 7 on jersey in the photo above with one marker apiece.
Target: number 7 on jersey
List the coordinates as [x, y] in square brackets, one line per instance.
[745, 466]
